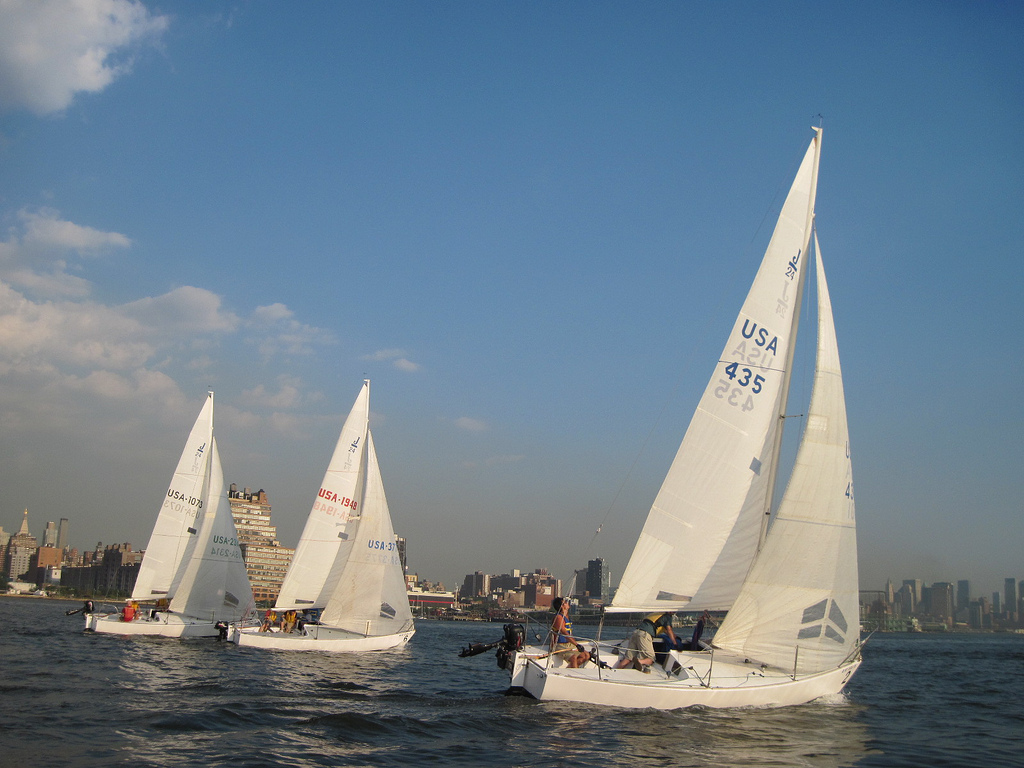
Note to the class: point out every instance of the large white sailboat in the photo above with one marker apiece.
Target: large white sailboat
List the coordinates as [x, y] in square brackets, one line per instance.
[193, 567]
[347, 572]
[711, 541]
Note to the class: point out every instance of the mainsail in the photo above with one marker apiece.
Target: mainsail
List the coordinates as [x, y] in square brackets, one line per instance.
[704, 528]
[798, 608]
[371, 597]
[215, 585]
[173, 537]
[312, 575]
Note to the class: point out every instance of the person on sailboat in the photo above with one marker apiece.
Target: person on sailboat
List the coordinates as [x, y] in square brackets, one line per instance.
[640, 648]
[564, 644]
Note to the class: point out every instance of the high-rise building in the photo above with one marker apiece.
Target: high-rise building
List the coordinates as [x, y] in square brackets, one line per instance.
[599, 580]
[50, 535]
[916, 589]
[20, 549]
[1010, 598]
[963, 595]
[62, 533]
[940, 601]
[266, 561]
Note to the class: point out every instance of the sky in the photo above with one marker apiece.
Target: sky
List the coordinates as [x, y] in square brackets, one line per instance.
[530, 225]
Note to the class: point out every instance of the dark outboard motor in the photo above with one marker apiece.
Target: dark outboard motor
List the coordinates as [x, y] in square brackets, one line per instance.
[222, 630]
[514, 640]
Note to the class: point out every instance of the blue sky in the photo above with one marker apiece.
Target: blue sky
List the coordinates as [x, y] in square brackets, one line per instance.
[530, 225]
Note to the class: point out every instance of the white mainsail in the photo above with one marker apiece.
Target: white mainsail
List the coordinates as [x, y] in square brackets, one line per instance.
[215, 585]
[173, 537]
[799, 605]
[312, 576]
[703, 530]
[371, 596]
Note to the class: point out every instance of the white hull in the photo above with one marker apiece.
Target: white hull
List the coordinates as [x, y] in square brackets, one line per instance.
[733, 683]
[164, 625]
[315, 637]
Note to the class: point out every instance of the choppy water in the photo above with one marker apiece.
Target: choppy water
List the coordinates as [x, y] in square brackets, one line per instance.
[68, 698]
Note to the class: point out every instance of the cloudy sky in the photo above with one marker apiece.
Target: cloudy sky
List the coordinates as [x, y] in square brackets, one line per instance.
[530, 225]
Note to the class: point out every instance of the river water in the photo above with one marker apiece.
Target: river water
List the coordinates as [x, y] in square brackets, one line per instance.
[70, 698]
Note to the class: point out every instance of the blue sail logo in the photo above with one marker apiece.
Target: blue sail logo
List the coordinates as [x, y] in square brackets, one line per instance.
[817, 625]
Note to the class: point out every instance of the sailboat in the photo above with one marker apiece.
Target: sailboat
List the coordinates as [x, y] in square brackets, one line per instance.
[192, 567]
[787, 577]
[346, 577]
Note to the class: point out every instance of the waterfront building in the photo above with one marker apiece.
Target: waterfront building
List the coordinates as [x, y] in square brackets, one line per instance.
[476, 584]
[110, 570]
[266, 561]
[43, 562]
[427, 599]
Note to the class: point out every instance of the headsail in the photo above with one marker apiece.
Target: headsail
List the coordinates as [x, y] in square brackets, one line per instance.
[371, 596]
[703, 529]
[312, 575]
[215, 585]
[178, 520]
[802, 589]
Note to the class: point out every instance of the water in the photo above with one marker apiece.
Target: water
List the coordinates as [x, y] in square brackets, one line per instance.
[68, 698]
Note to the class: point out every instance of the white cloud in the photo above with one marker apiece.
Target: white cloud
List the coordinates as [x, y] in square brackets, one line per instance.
[406, 365]
[278, 332]
[382, 355]
[182, 312]
[470, 425]
[52, 49]
[397, 358]
[287, 396]
[35, 256]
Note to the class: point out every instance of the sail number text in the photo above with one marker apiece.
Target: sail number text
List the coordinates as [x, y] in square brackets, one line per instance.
[180, 502]
[345, 504]
[387, 546]
[740, 387]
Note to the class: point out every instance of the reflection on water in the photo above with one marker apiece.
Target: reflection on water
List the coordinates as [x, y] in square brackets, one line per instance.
[71, 698]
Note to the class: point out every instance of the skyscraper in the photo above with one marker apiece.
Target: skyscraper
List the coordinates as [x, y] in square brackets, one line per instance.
[62, 533]
[1010, 599]
[963, 595]
[598, 580]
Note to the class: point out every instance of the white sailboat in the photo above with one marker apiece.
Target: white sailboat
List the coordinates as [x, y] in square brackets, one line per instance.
[347, 568]
[193, 565]
[787, 578]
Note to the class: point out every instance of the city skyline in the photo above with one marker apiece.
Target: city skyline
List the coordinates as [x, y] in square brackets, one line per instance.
[997, 588]
[529, 225]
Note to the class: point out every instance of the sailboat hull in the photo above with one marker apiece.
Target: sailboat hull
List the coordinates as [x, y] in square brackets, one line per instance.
[314, 637]
[732, 683]
[164, 625]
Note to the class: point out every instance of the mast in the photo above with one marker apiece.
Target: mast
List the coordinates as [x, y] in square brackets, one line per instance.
[788, 373]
